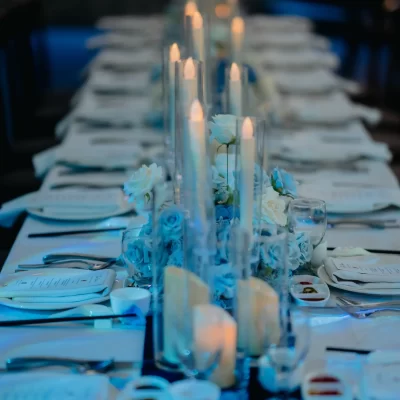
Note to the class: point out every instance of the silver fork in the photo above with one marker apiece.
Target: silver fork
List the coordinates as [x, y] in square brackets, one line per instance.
[364, 312]
[355, 303]
[79, 366]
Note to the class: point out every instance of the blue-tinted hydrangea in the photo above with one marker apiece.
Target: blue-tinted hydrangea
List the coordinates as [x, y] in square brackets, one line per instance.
[283, 182]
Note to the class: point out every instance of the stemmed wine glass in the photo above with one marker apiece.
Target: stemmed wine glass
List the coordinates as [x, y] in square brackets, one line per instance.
[309, 216]
[288, 354]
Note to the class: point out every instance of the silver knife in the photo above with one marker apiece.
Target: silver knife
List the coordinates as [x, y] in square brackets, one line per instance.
[54, 257]
[101, 366]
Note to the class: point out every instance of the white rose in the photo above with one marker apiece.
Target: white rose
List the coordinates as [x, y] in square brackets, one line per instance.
[273, 208]
[141, 183]
[223, 128]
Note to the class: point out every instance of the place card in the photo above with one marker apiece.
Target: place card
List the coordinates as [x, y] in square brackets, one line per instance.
[357, 266]
[57, 284]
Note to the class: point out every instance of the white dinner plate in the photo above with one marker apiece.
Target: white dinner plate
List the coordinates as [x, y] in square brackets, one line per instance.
[45, 306]
[90, 216]
[322, 274]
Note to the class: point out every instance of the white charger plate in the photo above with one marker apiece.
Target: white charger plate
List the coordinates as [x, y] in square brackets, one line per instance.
[45, 306]
[323, 275]
[123, 209]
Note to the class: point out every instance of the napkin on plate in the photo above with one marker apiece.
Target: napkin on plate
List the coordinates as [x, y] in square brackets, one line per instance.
[302, 147]
[331, 109]
[308, 58]
[109, 81]
[287, 39]
[62, 203]
[117, 40]
[51, 385]
[268, 23]
[351, 199]
[106, 110]
[314, 81]
[57, 286]
[144, 26]
[120, 59]
[85, 155]
[364, 271]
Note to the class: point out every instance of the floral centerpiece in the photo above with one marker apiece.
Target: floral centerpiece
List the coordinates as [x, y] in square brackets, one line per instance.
[276, 189]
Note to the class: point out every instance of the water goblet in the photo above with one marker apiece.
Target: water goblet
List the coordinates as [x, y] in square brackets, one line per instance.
[309, 216]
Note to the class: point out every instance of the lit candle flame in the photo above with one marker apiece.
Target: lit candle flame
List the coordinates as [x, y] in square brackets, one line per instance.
[196, 111]
[237, 25]
[174, 53]
[189, 70]
[247, 128]
[190, 8]
[197, 21]
[234, 73]
[222, 11]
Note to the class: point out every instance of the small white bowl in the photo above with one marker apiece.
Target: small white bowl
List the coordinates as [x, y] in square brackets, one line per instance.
[341, 386]
[156, 388]
[319, 299]
[189, 389]
[124, 298]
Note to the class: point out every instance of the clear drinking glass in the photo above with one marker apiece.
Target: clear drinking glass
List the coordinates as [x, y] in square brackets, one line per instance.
[137, 255]
[289, 353]
[309, 216]
[199, 339]
[272, 268]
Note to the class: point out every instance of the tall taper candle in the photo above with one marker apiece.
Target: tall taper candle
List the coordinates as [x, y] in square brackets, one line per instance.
[199, 47]
[235, 91]
[198, 36]
[197, 134]
[174, 56]
[247, 159]
[190, 85]
[237, 37]
[190, 8]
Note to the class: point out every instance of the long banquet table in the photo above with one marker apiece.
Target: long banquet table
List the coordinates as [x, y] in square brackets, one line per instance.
[331, 327]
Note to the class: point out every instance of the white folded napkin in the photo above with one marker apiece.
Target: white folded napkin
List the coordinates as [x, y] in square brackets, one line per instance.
[64, 203]
[295, 59]
[286, 39]
[268, 23]
[57, 286]
[142, 26]
[351, 199]
[121, 59]
[107, 156]
[302, 147]
[117, 40]
[367, 271]
[310, 82]
[51, 385]
[330, 109]
[116, 110]
[106, 80]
